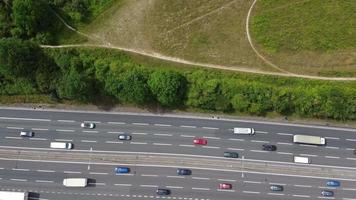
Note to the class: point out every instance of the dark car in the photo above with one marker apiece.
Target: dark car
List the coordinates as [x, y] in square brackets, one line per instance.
[124, 137]
[161, 191]
[229, 154]
[184, 171]
[276, 188]
[122, 170]
[332, 183]
[269, 147]
[327, 193]
[355, 151]
[27, 133]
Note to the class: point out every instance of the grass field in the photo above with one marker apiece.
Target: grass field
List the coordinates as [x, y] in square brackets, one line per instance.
[311, 37]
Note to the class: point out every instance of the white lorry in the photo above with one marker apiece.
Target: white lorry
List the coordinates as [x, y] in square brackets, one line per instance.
[75, 182]
[61, 145]
[6, 195]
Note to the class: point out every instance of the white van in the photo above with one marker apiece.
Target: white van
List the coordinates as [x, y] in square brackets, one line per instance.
[61, 145]
[75, 182]
[246, 131]
[299, 159]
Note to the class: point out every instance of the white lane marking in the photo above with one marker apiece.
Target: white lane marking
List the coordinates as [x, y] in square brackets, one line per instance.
[119, 123]
[115, 132]
[304, 186]
[260, 141]
[43, 181]
[63, 140]
[1, 168]
[190, 136]
[200, 178]
[120, 184]
[149, 175]
[250, 192]
[124, 174]
[311, 155]
[138, 142]
[40, 129]
[64, 130]
[265, 132]
[71, 172]
[95, 122]
[353, 140]
[25, 119]
[211, 128]
[17, 138]
[259, 151]
[336, 157]
[211, 147]
[307, 145]
[350, 149]
[90, 131]
[14, 179]
[139, 133]
[284, 143]
[162, 134]
[213, 138]
[97, 183]
[98, 173]
[205, 189]
[148, 186]
[38, 139]
[113, 142]
[332, 138]
[162, 144]
[228, 180]
[326, 197]
[222, 190]
[141, 124]
[12, 127]
[234, 139]
[303, 196]
[285, 134]
[64, 120]
[352, 189]
[26, 170]
[174, 187]
[332, 147]
[184, 126]
[186, 145]
[175, 176]
[47, 171]
[235, 149]
[255, 182]
[348, 199]
[271, 183]
[278, 194]
[162, 125]
[285, 153]
[89, 141]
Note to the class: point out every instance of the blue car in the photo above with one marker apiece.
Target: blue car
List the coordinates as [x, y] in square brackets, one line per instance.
[122, 170]
[333, 183]
[184, 172]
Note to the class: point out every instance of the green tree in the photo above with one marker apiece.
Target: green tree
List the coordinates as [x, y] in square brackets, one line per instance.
[283, 101]
[168, 87]
[5, 18]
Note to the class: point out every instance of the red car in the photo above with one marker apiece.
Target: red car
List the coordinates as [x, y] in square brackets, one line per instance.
[225, 186]
[200, 141]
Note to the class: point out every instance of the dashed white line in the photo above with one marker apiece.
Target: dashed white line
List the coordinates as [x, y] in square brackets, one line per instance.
[148, 186]
[213, 138]
[211, 147]
[206, 189]
[14, 179]
[64, 120]
[126, 185]
[303, 196]
[89, 141]
[162, 125]
[40, 129]
[332, 147]
[235, 139]
[149, 175]
[15, 169]
[351, 189]
[141, 124]
[90, 131]
[332, 138]
[174, 187]
[183, 126]
[228, 180]
[255, 182]
[284, 143]
[278, 194]
[222, 190]
[190, 136]
[200, 178]
[211, 128]
[260, 141]
[277, 183]
[348, 199]
[162, 134]
[326, 197]
[186, 145]
[64, 130]
[265, 132]
[162, 144]
[350, 149]
[304, 186]
[139, 133]
[115, 132]
[251, 192]
[16, 138]
[285, 153]
[119, 123]
[175, 176]
[38, 139]
[353, 140]
[259, 151]
[311, 155]
[336, 157]
[12, 127]
[43, 181]
[43, 170]
[97, 183]
[235, 149]
[113, 142]
[63, 140]
[285, 134]
[98, 173]
[138, 142]
[71, 172]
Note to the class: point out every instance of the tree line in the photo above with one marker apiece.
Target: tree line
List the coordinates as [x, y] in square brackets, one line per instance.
[87, 75]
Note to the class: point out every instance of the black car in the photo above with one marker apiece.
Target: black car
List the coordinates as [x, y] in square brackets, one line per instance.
[161, 191]
[184, 171]
[229, 154]
[269, 147]
[276, 188]
[327, 193]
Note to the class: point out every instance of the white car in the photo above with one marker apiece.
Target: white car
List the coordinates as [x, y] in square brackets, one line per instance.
[87, 125]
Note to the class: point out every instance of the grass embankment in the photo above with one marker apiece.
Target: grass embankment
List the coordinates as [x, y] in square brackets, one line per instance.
[309, 36]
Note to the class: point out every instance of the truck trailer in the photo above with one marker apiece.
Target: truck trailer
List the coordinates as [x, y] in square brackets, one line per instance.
[307, 139]
[7, 195]
[75, 182]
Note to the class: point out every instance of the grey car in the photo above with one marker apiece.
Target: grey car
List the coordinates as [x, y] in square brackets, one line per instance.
[327, 193]
[229, 154]
[161, 191]
[124, 137]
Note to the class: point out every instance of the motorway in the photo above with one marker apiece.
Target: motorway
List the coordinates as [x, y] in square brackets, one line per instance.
[171, 136]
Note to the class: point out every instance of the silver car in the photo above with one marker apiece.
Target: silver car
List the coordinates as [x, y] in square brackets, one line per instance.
[124, 137]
